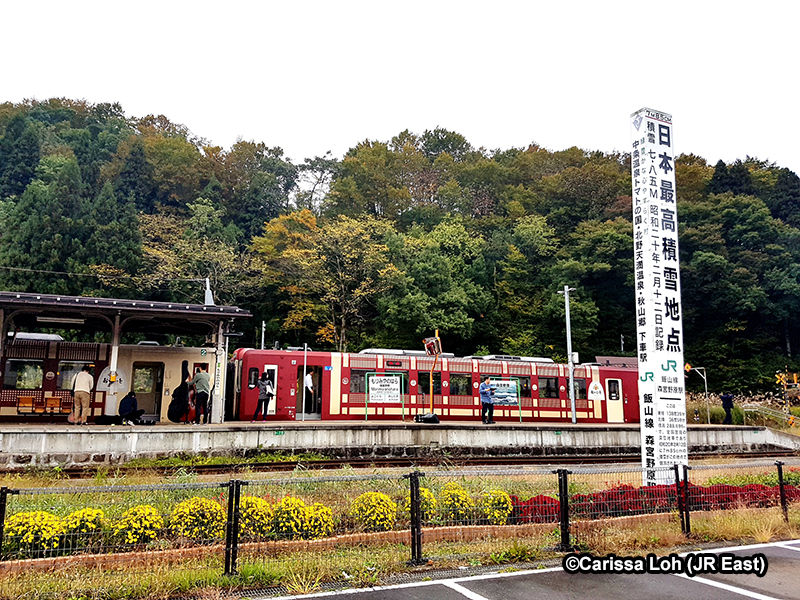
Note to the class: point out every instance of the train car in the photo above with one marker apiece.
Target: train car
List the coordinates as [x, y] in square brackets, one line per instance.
[37, 372]
[401, 382]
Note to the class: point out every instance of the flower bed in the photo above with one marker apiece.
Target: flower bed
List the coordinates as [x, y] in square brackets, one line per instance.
[202, 521]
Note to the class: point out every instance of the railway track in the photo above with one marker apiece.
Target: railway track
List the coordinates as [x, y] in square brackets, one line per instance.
[410, 462]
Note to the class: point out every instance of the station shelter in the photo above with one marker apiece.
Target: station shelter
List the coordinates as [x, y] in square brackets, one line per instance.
[37, 369]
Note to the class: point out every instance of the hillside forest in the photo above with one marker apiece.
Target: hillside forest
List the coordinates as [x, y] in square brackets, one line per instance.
[396, 238]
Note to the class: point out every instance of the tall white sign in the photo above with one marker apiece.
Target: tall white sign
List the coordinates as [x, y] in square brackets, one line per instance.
[659, 321]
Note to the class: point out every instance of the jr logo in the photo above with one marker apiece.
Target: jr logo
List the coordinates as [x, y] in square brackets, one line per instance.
[647, 377]
[670, 366]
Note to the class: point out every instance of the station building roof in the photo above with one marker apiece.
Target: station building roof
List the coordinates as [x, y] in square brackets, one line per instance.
[36, 311]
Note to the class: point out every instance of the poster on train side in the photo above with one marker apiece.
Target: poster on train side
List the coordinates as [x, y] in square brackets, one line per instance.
[505, 392]
[659, 309]
[384, 389]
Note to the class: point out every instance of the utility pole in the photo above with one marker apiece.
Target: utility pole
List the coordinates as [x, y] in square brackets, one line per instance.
[570, 363]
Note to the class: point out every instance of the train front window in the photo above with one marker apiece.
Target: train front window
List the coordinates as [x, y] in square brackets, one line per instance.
[548, 387]
[252, 378]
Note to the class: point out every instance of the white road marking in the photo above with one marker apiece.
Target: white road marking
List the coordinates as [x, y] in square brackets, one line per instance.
[728, 588]
[464, 591]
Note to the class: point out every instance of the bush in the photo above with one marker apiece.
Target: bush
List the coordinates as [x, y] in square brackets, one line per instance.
[85, 527]
[34, 534]
[496, 507]
[198, 519]
[138, 525]
[374, 511]
[427, 504]
[255, 516]
[290, 519]
[320, 521]
[457, 506]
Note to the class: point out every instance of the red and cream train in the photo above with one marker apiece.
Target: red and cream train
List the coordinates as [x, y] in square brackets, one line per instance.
[338, 391]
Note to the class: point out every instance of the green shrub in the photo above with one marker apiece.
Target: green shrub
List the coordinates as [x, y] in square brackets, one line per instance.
[456, 505]
[34, 534]
[496, 507]
[374, 511]
[138, 525]
[255, 516]
[198, 519]
[427, 504]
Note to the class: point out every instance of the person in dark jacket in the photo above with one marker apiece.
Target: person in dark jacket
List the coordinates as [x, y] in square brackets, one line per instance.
[129, 409]
[727, 404]
[266, 390]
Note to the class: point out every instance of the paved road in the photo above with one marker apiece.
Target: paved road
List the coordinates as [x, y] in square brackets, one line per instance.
[781, 582]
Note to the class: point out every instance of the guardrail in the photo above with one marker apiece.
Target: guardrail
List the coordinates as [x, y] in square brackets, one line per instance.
[771, 413]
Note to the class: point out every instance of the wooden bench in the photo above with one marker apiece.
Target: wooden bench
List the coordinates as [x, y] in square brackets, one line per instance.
[51, 405]
[29, 405]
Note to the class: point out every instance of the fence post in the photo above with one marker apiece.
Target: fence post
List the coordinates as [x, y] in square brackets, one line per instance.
[781, 488]
[563, 501]
[415, 502]
[686, 498]
[679, 497]
[232, 505]
[3, 503]
[236, 516]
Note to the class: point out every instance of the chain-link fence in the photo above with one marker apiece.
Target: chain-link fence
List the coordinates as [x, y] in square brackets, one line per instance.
[298, 532]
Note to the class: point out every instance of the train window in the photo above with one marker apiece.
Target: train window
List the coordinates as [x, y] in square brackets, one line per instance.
[580, 389]
[358, 381]
[67, 372]
[613, 388]
[524, 386]
[460, 384]
[252, 378]
[23, 374]
[548, 387]
[425, 383]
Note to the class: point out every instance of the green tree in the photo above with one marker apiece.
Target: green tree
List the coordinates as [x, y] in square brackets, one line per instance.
[19, 156]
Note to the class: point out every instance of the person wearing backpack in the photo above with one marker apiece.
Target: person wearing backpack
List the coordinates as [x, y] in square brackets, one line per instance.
[266, 390]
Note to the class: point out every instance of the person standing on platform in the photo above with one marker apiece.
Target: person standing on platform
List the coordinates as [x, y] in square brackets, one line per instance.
[487, 402]
[309, 383]
[727, 404]
[82, 385]
[202, 386]
[265, 393]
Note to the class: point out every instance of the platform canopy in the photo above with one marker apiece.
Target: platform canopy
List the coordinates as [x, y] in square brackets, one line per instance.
[38, 311]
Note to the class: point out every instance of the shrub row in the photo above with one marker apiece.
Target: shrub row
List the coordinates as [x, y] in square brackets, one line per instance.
[40, 533]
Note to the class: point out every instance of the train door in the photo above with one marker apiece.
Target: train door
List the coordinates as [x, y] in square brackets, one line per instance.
[272, 375]
[614, 401]
[308, 401]
[148, 381]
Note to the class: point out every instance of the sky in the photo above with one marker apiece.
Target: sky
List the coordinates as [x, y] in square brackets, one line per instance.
[313, 77]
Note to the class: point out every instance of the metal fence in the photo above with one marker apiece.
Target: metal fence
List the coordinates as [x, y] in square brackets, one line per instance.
[305, 529]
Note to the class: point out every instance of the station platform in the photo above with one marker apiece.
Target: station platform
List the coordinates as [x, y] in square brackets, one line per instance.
[47, 445]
